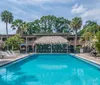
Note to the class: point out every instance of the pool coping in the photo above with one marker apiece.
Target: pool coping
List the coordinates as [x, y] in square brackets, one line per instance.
[15, 60]
[90, 61]
[22, 57]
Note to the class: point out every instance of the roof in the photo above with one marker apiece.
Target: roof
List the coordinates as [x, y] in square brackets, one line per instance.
[78, 43]
[51, 40]
[38, 34]
[43, 34]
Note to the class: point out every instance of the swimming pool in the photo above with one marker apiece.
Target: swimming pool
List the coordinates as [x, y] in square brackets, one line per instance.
[50, 69]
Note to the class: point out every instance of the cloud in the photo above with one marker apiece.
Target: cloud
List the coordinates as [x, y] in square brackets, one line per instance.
[77, 9]
[17, 10]
[40, 1]
[93, 14]
[29, 10]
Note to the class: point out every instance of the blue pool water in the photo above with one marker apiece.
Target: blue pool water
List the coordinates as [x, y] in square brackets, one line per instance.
[50, 69]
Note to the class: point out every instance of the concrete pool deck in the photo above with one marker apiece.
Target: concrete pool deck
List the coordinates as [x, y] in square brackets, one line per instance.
[11, 59]
[87, 56]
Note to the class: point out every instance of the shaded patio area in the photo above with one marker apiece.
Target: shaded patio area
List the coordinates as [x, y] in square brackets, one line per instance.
[51, 44]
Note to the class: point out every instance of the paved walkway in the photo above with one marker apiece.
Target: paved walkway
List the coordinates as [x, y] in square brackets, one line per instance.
[11, 59]
[90, 58]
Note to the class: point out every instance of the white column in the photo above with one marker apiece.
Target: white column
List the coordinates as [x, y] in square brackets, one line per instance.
[67, 47]
[35, 48]
[26, 44]
[1, 39]
[51, 48]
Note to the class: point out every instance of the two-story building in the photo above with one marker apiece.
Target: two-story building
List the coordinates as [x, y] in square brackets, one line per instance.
[29, 39]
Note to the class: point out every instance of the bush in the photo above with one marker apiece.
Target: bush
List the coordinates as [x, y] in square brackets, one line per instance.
[78, 49]
[14, 42]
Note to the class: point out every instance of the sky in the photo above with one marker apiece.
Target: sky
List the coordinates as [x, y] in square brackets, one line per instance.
[29, 10]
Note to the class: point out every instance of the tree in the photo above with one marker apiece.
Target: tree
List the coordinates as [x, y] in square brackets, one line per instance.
[14, 42]
[82, 31]
[20, 26]
[6, 17]
[49, 24]
[87, 36]
[91, 26]
[62, 25]
[24, 28]
[33, 27]
[76, 24]
[89, 30]
[97, 43]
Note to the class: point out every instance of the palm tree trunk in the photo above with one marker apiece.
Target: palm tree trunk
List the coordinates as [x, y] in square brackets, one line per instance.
[75, 40]
[7, 32]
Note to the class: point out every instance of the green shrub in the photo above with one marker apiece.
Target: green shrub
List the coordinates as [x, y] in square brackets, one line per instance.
[78, 49]
[14, 42]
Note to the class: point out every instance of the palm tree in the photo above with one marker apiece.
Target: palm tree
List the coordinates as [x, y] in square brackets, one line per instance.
[76, 24]
[92, 26]
[6, 17]
[24, 27]
[88, 37]
[19, 26]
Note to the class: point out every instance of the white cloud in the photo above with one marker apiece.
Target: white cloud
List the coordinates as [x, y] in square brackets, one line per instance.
[46, 7]
[17, 10]
[93, 14]
[76, 9]
[40, 1]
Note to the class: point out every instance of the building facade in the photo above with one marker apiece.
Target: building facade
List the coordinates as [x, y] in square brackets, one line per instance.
[29, 39]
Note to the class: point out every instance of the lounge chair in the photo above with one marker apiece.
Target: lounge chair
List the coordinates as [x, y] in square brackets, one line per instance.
[1, 56]
[13, 52]
[9, 52]
[5, 54]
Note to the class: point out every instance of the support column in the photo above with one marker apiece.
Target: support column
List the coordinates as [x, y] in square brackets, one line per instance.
[35, 48]
[20, 48]
[51, 48]
[1, 39]
[67, 47]
[26, 44]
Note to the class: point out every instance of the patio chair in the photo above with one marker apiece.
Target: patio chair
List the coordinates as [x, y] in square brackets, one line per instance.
[8, 52]
[1, 56]
[11, 53]
[5, 54]
[93, 53]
